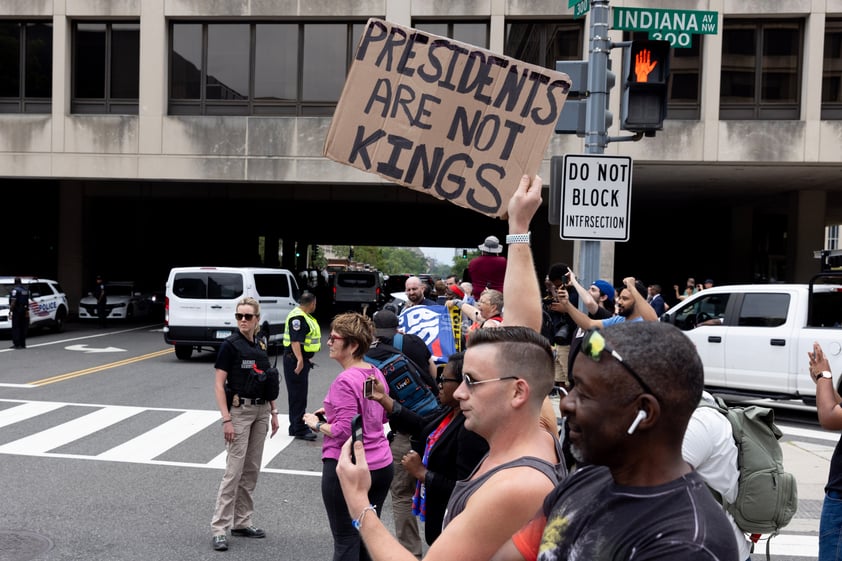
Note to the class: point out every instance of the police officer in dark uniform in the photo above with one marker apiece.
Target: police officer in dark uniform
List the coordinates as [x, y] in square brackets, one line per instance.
[101, 301]
[302, 339]
[19, 312]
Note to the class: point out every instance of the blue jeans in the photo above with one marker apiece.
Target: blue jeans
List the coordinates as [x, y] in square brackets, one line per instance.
[830, 527]
[347, 544]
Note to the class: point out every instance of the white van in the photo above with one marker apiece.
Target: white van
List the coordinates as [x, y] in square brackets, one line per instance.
[201, 301]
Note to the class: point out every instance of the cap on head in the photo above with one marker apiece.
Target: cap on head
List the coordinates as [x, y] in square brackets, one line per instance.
[708, 281]
[604, 287]
[454, 288]
[385, 323]
[491, 245]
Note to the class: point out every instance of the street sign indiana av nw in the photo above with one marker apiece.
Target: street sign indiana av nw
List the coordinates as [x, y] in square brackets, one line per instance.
[674, 26]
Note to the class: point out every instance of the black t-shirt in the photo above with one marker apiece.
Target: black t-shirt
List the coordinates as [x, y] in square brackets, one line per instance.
[591, 517]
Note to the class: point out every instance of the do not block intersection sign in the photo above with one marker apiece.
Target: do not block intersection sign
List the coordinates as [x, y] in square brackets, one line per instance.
[595, 197]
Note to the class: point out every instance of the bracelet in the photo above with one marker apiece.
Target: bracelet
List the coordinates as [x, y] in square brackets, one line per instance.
[519, 238]
[359, 521]
[274, 411]
[318, 427]
[226, 421]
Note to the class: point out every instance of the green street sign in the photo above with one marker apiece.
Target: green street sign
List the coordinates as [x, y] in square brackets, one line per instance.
[580, 7]
[674, 26]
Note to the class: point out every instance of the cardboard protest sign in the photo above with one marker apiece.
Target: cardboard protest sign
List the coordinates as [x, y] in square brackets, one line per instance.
[446, 118]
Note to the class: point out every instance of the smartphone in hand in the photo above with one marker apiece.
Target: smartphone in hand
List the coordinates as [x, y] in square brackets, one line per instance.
[369, 388]
[356, 434]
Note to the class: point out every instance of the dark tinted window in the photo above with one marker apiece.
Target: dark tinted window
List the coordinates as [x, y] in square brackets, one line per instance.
[225, 286]
[356, 280]
[39, 289]
[543, 43]
[272, 284]
[761, 70]
[832, 71]
[264, 68]
[702, 309]
[26, 67]
[190, 285]
[106, 67]
[764, 310]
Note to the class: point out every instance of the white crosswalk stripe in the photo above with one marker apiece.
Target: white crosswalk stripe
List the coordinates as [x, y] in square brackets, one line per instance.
[142, 449]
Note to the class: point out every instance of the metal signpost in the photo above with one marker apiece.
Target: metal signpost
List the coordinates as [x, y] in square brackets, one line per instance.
[612, 193]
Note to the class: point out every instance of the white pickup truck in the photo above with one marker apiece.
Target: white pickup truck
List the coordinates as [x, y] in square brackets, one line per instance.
[753, 339]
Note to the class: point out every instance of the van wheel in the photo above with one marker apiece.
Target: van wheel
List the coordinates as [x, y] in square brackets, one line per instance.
[183, 352]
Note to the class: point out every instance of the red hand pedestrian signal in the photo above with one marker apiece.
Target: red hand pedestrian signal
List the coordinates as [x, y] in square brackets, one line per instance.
[643, 65]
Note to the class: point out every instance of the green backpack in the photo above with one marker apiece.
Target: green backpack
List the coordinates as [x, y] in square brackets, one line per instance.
[767, 497]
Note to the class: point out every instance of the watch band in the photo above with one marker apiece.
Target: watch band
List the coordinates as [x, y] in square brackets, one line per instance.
[519, 238]
[824, 374]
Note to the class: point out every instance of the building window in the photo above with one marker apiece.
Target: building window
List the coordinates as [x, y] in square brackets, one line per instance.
[831, 236]
[26, 67]
[761, 70]
[543, 43]
[295, 69]
[832, 71]
[685, 81]
[106, 67]
[470, 32]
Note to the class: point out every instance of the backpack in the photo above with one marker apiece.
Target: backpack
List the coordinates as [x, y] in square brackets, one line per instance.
[406, 384]
[767, 496]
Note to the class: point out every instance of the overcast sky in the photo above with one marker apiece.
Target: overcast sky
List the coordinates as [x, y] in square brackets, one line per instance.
[441, 254]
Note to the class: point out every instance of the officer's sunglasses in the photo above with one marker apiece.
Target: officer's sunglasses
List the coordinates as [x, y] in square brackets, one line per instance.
[593, 346]
[248, 317]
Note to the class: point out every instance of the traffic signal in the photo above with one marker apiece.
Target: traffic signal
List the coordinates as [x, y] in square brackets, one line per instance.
[571, 120]
[464, 254]
[646, 71]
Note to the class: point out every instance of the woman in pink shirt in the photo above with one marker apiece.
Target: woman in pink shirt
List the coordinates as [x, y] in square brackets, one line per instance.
[350, 337]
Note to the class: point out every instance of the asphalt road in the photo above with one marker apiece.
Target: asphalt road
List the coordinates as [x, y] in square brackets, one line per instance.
[112, 451]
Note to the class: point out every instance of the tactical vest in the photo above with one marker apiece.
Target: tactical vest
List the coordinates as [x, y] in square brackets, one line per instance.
[313, 340]
[242, 374]
[19, 303]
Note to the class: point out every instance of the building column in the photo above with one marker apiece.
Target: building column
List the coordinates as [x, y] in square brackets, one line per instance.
[807, 223]
[70, 271]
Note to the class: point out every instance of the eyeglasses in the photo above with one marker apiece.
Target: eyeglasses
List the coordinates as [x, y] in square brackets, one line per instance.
[332, 338]
[247, 317]
[470, 382]
[594, 344]
[440, 380]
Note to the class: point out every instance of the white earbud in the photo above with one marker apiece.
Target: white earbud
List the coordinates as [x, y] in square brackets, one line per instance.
[641, 414]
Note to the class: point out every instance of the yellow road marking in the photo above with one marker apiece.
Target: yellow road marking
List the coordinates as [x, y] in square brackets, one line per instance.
[76, 374]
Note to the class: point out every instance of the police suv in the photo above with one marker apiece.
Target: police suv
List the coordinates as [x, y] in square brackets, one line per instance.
[47, 304]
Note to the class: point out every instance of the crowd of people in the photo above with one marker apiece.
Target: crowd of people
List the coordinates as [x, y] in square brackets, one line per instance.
[495, 472]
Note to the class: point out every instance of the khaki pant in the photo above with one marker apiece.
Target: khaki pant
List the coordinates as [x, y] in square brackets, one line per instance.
[561, 354]
[234, 502]
[402, 490]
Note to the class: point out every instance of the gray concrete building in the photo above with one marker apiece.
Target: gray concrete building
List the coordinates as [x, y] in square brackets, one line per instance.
[137, 135]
